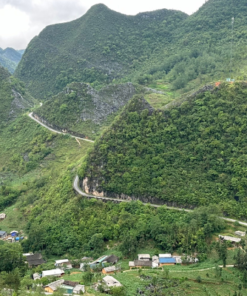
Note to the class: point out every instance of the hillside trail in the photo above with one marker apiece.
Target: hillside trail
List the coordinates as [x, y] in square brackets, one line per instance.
[80, 192]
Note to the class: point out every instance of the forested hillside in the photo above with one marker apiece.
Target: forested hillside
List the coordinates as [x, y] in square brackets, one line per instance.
[190, 154]
[84, 111]
[100, 46]
[163, 45]
[13, 97]
[9, 58]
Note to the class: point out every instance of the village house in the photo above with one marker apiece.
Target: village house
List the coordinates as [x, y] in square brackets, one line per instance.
[36, 276]
[144, 257]
[167, 261]
[231, 239]
[64, 263]
[2, 216]
[240, 233]
[103, 259]
[141, 263]
[53, 272]
[52, 287]
[110, 269]
[155, 261]
[189, 260]
[35, 260]
[3, 234]
[69, 286]
[110, 282]
[78, 289]
[178, 259]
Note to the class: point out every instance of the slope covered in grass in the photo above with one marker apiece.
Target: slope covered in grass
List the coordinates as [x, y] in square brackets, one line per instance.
[193, 153]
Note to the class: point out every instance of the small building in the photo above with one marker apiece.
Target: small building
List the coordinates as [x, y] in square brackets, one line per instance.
[167, 261]
[141, 263]
[3, 234]
[230, 238]
[35, 260]
[240, 233]
[69, 286]
[53, 272]
[36, 276]
[131, 264]
[52, 287]
[14, 233]
[2, 216]
[111, 259]
[155, 261]
[110, 282]
[144, 257]
[110, 269]
[78, 289]
[63, 263]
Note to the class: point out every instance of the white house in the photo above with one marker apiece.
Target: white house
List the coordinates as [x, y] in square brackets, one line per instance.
[144, 257]
[63, 262]
[53, 272]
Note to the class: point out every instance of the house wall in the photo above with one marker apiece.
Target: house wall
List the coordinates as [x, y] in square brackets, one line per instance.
[166, 264]
[49, 290]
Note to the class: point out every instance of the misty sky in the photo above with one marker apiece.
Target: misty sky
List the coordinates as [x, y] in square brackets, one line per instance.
[21, 20]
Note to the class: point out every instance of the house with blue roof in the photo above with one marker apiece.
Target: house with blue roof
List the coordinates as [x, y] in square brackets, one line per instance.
[167, 261]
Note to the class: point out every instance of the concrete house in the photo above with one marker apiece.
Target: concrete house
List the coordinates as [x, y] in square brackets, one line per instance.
[78, 289]
[110, 281]
[64, 263]
[155, 261]
[110, 269]
[3, 234]
[144, 257]
[69, 286]
[53, 272]
[2, 216]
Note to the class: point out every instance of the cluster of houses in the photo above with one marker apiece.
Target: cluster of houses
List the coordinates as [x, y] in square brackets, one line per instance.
[11, 237]
[145, 260]
[69, 287]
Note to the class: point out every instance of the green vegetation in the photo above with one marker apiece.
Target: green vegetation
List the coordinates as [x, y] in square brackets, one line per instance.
[12, 102]
[104, 46]
[82, 110]
[190, 154]
[99, 47]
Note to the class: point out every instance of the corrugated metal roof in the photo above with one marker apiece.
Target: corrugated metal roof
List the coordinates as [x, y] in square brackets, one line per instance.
[167, 260]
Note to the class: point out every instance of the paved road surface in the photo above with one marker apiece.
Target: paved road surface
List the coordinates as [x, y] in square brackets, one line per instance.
[55, 131]
[77, 188]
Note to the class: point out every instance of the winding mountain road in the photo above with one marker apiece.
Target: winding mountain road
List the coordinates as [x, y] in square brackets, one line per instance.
[55, 131]
[77, 188]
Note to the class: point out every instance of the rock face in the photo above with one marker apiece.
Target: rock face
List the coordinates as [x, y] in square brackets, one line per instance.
[108, 100]
[18, 104]
[80, 107]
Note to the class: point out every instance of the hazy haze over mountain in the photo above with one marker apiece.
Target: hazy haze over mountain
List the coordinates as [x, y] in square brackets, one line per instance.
[21, 20]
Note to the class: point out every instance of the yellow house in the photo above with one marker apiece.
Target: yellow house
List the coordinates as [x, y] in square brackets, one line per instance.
[52, 287]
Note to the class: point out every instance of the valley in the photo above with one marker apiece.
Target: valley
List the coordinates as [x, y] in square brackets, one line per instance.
[123, 155]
